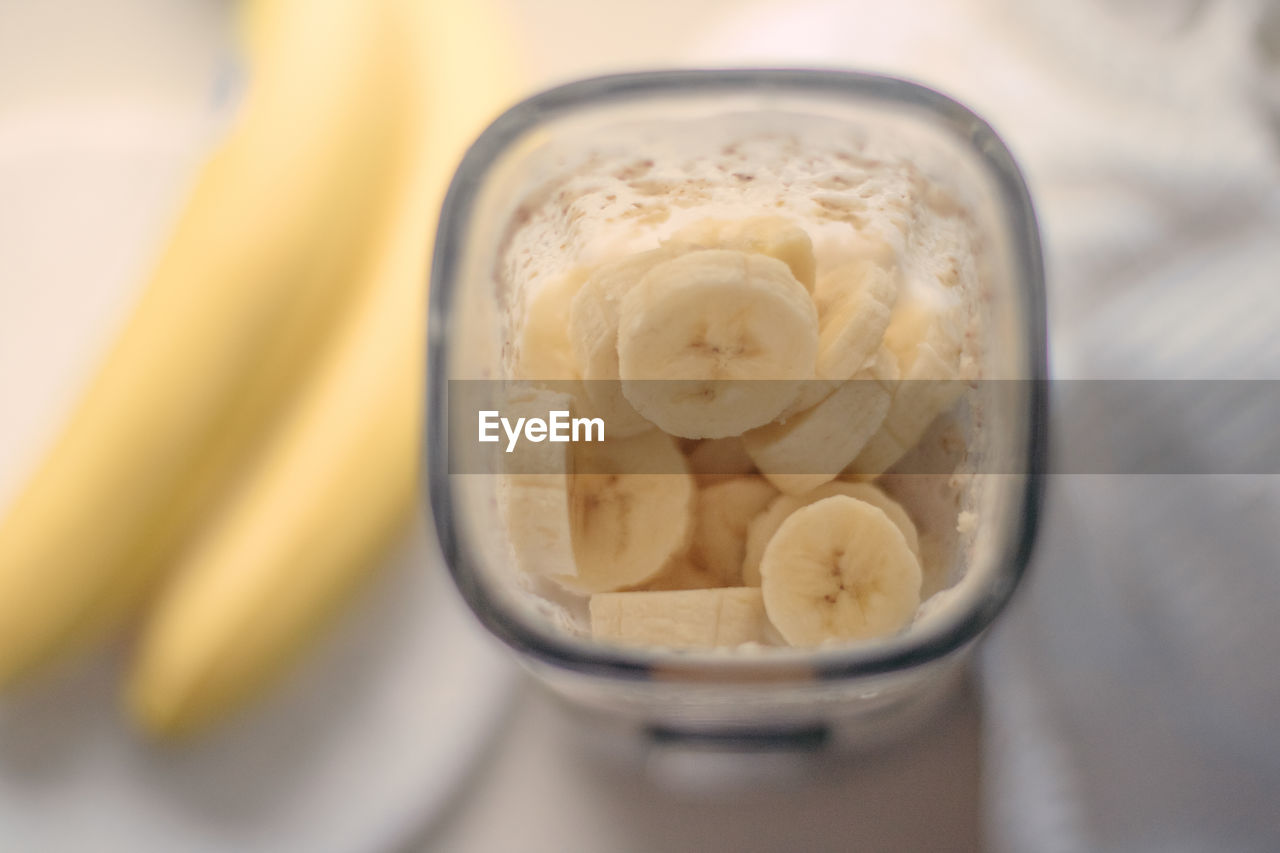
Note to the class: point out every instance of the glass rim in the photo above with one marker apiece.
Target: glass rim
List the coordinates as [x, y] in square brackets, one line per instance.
[547, 645]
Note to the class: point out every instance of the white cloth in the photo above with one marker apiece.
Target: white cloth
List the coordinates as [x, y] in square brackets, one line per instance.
[1132, 693]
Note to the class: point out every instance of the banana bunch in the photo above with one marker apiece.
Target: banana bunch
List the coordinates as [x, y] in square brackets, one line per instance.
[748, 396]
[248, 449]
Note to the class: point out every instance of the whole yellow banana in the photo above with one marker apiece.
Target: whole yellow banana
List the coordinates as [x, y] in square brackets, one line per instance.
[338, 481]
[216, 344]
[255, 274]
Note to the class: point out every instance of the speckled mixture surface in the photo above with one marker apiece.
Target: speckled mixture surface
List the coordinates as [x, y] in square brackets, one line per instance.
[849, 190]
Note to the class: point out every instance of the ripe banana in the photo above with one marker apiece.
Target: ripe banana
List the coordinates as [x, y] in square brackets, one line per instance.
[712, 315]
[766, 523]
[593, 330]
[838, 569]
[628, 523]
[698, 618]
[338, 482]
[255, 275]
[720, 532]
[811, 448]
[535, 490]
[764, 235]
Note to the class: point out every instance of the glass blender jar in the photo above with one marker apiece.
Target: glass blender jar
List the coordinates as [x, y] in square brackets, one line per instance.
[834, 695]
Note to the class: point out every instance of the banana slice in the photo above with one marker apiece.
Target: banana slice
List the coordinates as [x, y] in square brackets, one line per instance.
[594, 315]
[811, 448]
[720, 532]
[632, 504]
[543, 349]
[764, 235]
[684, 619]
[854, 302]
[715, 460]
[839, 569]
[926, 342]
[928, 346]
[535, 490]
[709, 316]
[764, 525]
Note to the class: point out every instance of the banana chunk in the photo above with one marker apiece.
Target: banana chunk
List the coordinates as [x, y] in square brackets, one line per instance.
[709, 316]
[632, 510]
[764, 525]
[535, 491]
[764, 235]
[927, 345]
[854, 303]
[811, 448]
[594, 315]
[543, 349]
[720, 532]
[839, 569]
[697, 618]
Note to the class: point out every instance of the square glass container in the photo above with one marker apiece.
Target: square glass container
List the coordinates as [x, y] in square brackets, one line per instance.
[851, 693]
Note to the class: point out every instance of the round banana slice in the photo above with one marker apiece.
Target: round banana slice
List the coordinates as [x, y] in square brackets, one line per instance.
[697, 618]
[813, 447]
[714, 460]
[720, 532]
[764, 525]
[593, 334]
[764, 235]
[543, 350]
[854, 302]
[703, 335]
[631, 509]
[839, 569]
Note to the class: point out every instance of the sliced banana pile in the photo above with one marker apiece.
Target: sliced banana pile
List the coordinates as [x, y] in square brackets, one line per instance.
[749, 396]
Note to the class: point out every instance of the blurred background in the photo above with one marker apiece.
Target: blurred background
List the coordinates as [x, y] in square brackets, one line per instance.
[1126, 702]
